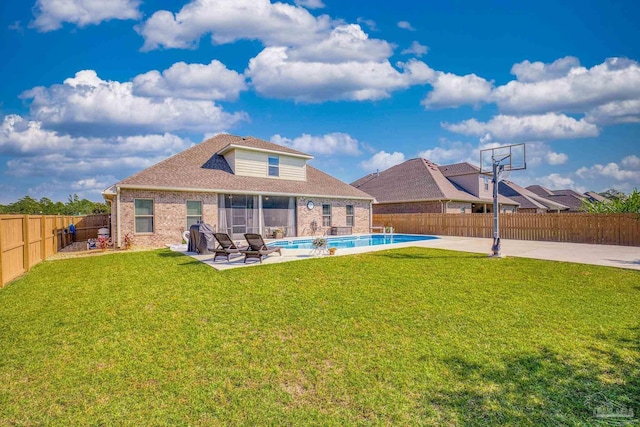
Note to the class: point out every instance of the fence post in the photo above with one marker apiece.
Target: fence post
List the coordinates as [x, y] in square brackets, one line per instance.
[25, 238]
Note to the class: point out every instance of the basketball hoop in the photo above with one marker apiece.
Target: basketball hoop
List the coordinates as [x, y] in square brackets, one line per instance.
[498, 163]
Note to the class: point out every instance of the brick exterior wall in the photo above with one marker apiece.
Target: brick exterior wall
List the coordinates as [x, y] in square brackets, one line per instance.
[338, 214]
[458, 207]
[409, 207]
[170, 215]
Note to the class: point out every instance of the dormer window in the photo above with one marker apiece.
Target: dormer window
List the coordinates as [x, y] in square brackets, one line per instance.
[274, 166]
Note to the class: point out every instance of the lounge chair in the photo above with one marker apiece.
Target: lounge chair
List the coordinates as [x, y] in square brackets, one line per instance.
[227, 247]
[257, 248]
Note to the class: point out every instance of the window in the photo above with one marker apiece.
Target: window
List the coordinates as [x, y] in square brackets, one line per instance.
[326, 215]
[194, 212]
[350, 220]
[486, 183]
[143, 215]
[463, 209]
[274, 166]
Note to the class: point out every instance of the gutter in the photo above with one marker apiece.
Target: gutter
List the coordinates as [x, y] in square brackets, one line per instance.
[245, 192]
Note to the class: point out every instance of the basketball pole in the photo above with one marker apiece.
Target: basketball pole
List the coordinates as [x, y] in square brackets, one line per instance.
[497, 175]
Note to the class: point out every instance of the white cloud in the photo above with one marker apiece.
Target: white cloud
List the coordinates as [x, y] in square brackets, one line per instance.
[310, 4]
[451, 152]
[231, 20]
[615, 112]
[274, 74]
[331, 143]
[416, 49]
[369, 23]
[91, 104]
[51, 14]
[631, 162]
[615, 80]
[523, 128]
[345, 43]
[450, 90]
[529, 72]
[94, 184]
[211, 81]
[18, 135]
[556, 181]
[611, 170]
[381, 161]
[406, 26]
[554, 158]
[84, 165]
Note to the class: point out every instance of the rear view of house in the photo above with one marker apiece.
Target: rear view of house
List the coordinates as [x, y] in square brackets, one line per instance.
[239, 185]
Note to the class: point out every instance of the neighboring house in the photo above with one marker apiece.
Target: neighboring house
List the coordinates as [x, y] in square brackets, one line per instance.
[595, 197]
[529, 201]
[569, 198]
[238, 185]
[419, 185]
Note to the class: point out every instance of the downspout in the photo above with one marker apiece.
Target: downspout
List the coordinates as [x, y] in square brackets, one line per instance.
[370, 214]
[118, 216]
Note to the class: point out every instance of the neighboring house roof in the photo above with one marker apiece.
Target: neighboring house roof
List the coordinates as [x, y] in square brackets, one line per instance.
[595, 197]
[201, 168]
[415, 180]
[540, 190]
[569, 198]
[527, 198]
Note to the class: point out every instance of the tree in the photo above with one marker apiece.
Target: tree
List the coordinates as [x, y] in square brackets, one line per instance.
[45, 206]
[612, 193]
[629, 203]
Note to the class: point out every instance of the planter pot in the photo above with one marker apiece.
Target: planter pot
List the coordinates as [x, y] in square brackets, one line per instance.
[332, 251]
[277, 235]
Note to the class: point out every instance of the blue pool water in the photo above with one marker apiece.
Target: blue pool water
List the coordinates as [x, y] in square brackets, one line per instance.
[351, 241]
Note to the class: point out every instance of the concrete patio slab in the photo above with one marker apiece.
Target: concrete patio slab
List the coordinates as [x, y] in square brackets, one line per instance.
[606, 255]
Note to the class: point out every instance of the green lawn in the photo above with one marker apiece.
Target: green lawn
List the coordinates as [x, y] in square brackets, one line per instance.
[404, 337]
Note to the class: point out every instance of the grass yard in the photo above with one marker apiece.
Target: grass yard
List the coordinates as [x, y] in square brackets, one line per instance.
[404, 337]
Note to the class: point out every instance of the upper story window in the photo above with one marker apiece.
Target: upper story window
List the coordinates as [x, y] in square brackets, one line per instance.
[274, 166]
[326, 215]
[486, 182]
[350, 218]
[143, 213]
[194, 212]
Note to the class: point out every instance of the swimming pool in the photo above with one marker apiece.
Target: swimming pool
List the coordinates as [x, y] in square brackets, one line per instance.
[352, 241]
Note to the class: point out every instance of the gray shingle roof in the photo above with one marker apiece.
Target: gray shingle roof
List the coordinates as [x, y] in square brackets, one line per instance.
[415, 180]
[458, 169]
[527, 198]
[200, 168]
[569, 198]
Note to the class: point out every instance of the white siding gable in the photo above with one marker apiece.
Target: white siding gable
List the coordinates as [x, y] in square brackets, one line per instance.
[256, 164]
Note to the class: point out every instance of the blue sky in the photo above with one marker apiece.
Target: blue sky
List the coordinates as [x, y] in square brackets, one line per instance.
[95, 91]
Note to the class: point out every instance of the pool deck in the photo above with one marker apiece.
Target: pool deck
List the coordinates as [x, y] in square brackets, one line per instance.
[607, 255]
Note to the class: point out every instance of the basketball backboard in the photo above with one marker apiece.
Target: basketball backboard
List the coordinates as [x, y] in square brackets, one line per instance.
[510, 157]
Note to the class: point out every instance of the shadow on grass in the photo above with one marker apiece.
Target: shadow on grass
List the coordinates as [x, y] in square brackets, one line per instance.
[541, 388]
[399, 255]
[166, 253]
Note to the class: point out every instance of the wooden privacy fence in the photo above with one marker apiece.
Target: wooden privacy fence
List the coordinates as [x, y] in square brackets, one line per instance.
[26, 240]
[606, 229]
